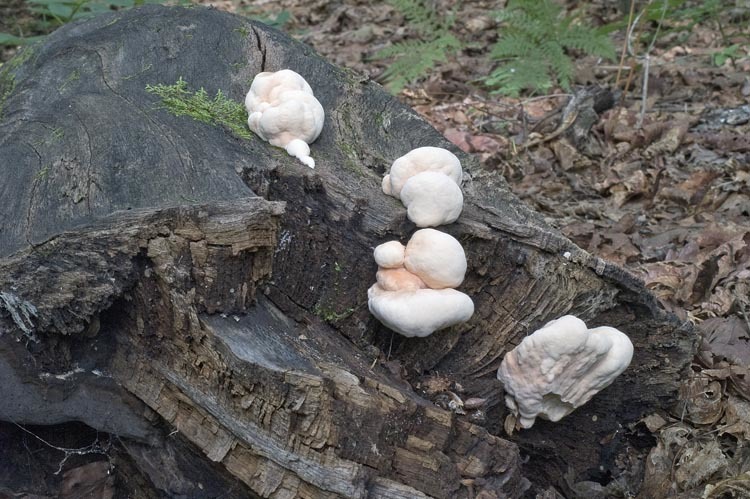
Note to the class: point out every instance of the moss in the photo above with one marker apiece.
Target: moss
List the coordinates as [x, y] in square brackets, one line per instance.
[330, 315]
[73, 76]
[219, 110]
[8, 75]
[242, 30]
[42, 174]
[351, 161]
[144, 69]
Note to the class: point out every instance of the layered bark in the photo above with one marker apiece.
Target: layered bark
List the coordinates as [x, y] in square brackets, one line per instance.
[163, 275]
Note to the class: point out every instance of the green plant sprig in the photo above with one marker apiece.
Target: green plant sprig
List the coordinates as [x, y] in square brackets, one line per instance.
[219, 110]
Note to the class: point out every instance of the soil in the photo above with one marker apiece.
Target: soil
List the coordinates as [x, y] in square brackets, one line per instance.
[660, 184]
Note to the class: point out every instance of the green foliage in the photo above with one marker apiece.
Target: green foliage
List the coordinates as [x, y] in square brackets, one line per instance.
[51, 14]
[534, 44]
[721, 56]
[412, 59]
[680, 17]
[277, 20]
[219, 110]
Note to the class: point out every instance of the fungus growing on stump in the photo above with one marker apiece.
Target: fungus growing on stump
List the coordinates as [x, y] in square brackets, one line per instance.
[560, 367]
[413, 294]
[282, 110]
[427, 180]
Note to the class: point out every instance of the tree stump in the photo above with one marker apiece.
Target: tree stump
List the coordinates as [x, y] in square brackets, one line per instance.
[201, 297]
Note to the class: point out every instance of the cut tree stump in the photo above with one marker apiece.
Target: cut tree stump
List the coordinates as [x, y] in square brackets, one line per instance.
[201, 298]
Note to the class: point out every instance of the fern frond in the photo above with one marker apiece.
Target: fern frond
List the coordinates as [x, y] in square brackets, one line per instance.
[513, 77]
[415, 59]
[425, 20]
[513, 45]
[532, 47]
[588, 41]
[560, 64]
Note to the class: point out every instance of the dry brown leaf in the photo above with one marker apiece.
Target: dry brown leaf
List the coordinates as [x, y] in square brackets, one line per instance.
[698, 461]
[727, 141]
[656, 481]
[699, 400]
[459, 138]
[654, 422]
[669, 142]
[727, 337]
[738, 487]
[691, 191]
[737, 418]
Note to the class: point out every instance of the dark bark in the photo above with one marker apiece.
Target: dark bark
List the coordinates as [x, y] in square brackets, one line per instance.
[164, 275]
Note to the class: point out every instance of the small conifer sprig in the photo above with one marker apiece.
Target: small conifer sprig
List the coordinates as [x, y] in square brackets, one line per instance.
[219, 110]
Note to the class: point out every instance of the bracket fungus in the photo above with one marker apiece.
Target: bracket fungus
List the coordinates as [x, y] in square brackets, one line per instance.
[413, 294]
[427, 180]
[282, 110]
[560, 367]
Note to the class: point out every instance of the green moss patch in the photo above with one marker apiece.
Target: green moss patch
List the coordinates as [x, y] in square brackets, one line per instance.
[219, 110]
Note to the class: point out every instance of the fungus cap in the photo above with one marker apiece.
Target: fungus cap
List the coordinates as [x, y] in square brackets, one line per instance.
[560, 367]
[268, 85]
[389, 255]
[399, 280]
[432, 199]
[419, 160]
[421, 312]
[283, 111]
[436, 257]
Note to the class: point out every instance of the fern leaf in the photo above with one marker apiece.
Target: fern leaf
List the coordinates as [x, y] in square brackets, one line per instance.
[513, 77]
[533, 44]
[415, 62]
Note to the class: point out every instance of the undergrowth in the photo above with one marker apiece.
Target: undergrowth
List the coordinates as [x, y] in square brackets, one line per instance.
[534, 45]
[219, 110]
[51, 14]
[413, 58]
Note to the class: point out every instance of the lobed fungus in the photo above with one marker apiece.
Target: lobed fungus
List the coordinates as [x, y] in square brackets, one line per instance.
[413, 294]
[282, 110]
[427, 180]
[560, 367]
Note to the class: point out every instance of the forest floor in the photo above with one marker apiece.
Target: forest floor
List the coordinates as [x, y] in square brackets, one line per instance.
[660, 184]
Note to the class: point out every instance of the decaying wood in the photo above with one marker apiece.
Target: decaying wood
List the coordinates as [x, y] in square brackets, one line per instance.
[174, 285]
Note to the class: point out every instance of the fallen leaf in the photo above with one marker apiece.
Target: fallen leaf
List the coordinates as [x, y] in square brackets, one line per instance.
[698, 461]
[736, 418]
[699, 400]
[727, 337]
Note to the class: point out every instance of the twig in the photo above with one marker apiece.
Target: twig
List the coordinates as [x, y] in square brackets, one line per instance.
[543, 97]
[624, 47]
[647, 57]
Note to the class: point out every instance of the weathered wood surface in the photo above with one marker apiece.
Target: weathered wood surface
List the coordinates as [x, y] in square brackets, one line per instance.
[161, 275]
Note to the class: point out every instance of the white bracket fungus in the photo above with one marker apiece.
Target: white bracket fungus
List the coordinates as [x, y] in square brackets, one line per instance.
[427, 180]
[560, 367]
[282, 110]
[413, 294]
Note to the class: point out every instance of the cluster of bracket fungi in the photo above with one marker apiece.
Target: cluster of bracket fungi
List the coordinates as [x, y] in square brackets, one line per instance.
[552, 371]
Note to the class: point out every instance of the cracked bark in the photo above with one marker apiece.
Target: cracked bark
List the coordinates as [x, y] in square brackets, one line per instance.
[208, 307]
